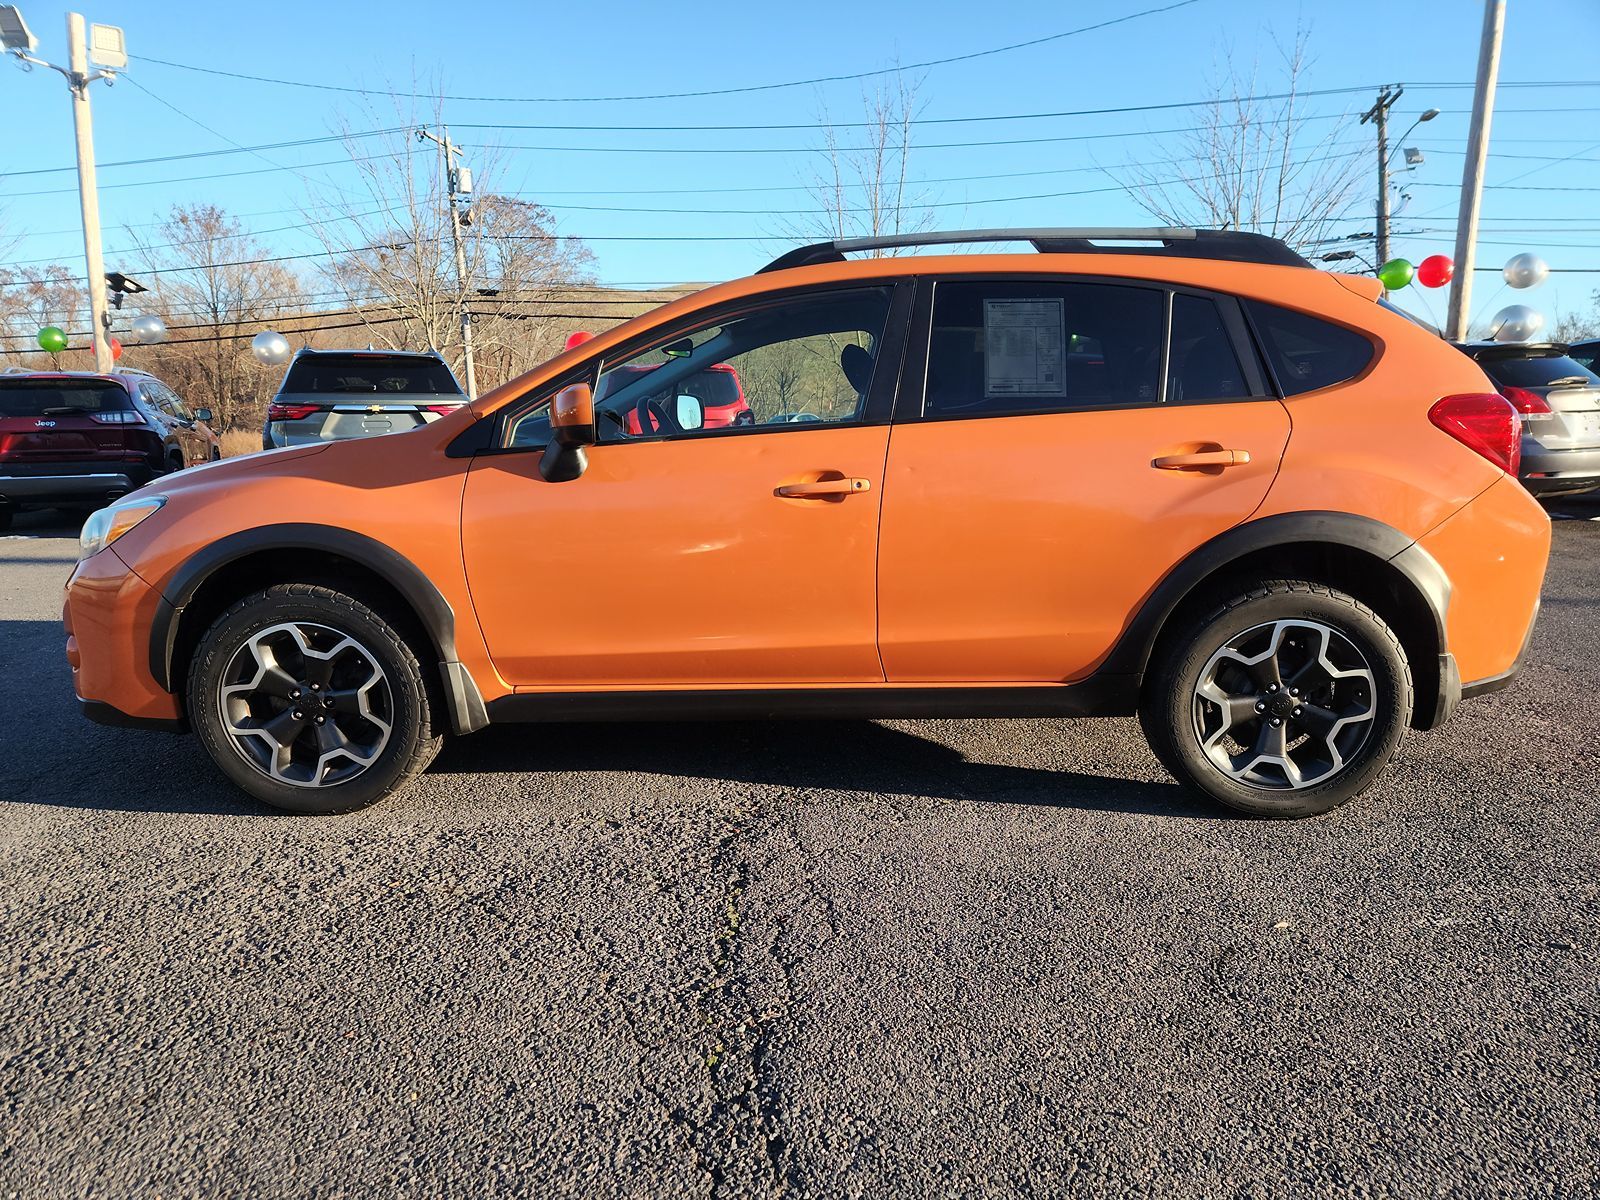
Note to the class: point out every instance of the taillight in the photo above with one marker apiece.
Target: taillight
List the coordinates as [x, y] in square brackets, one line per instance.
[1529, 404]
[120, 416]
[1484, 422]
[290, 412]
[440, 410]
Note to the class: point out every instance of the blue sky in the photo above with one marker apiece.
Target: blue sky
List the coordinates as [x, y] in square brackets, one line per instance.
[470, 48]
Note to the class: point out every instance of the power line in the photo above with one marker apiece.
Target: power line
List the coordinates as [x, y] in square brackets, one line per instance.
[733, 91]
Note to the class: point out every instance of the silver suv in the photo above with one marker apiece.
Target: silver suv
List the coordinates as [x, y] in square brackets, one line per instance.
[1559, 399]
[329, 395]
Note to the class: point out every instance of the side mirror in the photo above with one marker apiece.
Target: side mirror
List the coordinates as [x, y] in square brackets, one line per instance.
[691, 412]
[571, 429]
[202, 414]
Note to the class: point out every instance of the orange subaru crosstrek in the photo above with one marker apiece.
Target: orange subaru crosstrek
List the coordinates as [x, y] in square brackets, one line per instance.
[1170, 472]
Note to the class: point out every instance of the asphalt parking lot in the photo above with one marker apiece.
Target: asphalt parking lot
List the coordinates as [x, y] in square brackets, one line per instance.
[860, 959]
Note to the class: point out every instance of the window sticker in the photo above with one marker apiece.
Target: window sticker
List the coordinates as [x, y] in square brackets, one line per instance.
[1024, 342]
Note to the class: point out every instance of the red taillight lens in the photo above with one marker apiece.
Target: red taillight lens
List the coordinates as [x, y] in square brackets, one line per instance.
[1527, 403]
[1484, 422]
[440, 410]
[290, 412]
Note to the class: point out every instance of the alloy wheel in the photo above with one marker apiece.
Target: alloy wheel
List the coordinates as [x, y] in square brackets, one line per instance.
[1285, 705]
[306, 704]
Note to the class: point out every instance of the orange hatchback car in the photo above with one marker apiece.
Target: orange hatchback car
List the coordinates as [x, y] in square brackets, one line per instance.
[1178, 473]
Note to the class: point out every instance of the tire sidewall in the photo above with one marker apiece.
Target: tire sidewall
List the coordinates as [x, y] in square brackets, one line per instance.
[1169, 719]
[411, 723]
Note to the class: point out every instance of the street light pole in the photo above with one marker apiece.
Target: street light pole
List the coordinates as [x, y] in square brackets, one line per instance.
[447, 158]
[1494, 22]
[88, 193]
[1379, 115]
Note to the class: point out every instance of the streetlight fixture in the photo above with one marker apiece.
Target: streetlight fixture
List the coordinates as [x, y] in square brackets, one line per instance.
[106, 46]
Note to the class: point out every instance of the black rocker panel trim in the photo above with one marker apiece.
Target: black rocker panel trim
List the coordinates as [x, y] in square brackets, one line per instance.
[415, 588]
[1101, 696]
[102, 713]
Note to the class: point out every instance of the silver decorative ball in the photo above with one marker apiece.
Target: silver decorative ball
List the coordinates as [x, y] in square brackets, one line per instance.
[149, 330]
[270, 348]
[1516, 323]
[1526, 271]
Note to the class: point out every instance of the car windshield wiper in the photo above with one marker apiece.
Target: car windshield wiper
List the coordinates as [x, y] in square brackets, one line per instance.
[356, 387]
[65, 409]
[1570, 381]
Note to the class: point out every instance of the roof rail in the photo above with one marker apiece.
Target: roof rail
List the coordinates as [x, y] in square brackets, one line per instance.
[1225, 244]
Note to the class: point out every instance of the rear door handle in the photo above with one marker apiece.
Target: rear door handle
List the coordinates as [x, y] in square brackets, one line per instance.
[823, 487]
[1201, 458]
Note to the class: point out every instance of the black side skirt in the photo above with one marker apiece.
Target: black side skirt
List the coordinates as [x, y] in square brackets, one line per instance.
[1101, 696]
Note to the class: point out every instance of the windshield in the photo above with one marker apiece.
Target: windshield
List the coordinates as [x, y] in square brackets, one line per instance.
[59, 397]
[1540, 371]
[368, 374]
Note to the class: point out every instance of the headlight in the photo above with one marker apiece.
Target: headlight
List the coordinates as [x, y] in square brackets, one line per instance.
[108, 524]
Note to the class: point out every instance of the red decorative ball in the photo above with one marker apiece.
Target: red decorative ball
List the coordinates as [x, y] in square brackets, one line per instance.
[1436, 270]
[116, 349]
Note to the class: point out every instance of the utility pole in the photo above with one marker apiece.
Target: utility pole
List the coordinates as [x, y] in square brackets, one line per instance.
[109, 52]
[1494, 23]
[1378, 114]
[454, 180]
[88, 193]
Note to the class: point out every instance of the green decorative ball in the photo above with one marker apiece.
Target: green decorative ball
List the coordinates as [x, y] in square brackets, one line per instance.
[1396, 274]
[53, 339]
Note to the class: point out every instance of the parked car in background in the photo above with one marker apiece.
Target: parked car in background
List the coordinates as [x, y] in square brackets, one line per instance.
[1559, 399]
[330, 395]
[71, 439]
[1586, 354]
[1202, 482]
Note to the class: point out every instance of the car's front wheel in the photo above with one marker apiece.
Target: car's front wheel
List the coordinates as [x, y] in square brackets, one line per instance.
[311, 701]
[1285, 701]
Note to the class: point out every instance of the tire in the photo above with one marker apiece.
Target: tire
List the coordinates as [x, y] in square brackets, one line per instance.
[302, 649]
[1210, 705]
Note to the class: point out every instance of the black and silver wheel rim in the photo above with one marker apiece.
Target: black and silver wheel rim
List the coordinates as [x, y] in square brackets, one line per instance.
[305, 704]
[1285, 705]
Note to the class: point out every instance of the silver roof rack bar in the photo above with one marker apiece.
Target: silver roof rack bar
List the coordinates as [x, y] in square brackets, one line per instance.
[1225, 244]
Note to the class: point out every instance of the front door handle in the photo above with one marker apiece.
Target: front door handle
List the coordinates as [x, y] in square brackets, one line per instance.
[823, 488]
[1201, 459]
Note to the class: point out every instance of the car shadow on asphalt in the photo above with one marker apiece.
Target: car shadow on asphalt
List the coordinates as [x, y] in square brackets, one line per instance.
[848, 756]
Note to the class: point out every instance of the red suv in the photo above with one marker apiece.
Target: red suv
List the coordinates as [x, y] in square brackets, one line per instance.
[76, 439]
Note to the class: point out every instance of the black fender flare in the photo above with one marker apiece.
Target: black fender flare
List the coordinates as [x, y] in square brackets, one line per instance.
[1405, 555]
[466, 707]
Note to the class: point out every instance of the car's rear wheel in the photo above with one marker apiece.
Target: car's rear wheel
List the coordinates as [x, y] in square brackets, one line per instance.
[1285, 701]
[311, 701]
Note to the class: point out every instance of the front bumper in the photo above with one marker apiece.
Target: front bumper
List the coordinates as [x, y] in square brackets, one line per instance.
[1548, 472]
[107, 615]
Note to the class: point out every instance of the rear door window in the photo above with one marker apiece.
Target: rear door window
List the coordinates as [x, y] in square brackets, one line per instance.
[369, 374]
[59, 397]
[1201, 364]
[1017, 346]
[1305, 352]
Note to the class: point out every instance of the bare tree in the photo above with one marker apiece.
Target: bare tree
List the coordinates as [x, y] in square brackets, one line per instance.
[1250, 163]
[34, 297]
[209, 275]
[390, 252]
[864, 186]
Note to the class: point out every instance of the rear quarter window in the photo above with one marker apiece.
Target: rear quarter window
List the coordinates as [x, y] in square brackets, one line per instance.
[1306, 352]
[58, 397]
[363, 374]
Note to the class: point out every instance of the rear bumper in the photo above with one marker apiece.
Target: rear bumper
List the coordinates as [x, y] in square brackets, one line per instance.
[66, 483]
[1548, 472]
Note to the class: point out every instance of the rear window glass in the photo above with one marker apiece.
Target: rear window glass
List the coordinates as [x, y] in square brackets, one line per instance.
[58, 397]
[366, 374]
[1539, 372]
[1307, 353]
[1201, 361]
